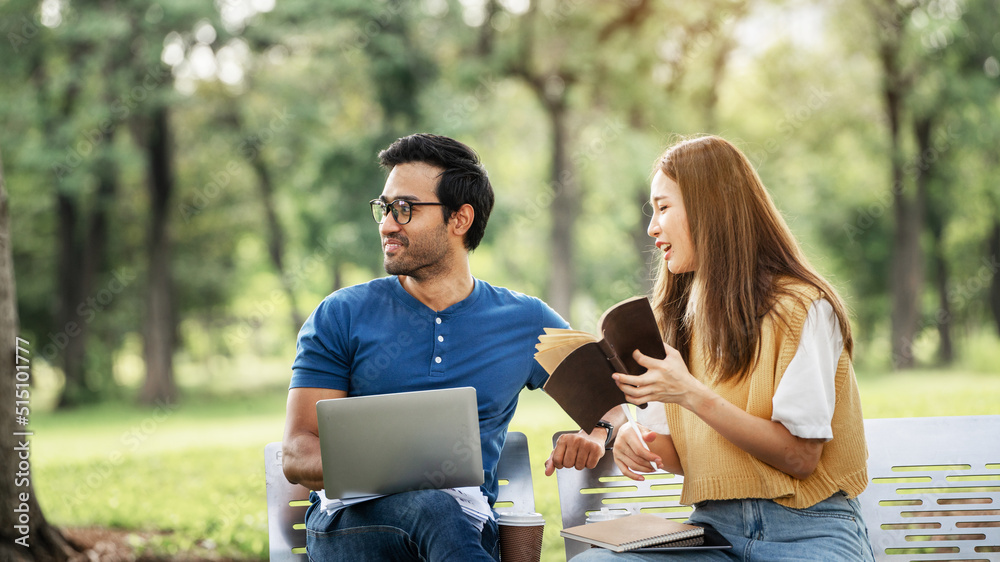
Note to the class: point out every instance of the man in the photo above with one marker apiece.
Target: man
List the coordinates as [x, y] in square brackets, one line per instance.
[430, 324]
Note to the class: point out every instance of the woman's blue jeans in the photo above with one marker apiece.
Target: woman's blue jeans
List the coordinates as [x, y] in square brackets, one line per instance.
[764, 531]
[421, 525]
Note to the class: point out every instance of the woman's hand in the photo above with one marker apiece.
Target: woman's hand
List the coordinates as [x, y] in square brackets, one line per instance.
[669, 380]
[665, 380]
[631, 456]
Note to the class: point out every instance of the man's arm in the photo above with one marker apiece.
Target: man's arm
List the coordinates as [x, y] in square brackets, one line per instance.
[581, 449]
[300, 446]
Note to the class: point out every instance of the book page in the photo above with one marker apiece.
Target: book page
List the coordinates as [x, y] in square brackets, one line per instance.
[562, 336]
[556, 344]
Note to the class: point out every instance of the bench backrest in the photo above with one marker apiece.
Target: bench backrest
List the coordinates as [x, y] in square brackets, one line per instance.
[584, 491]
[287, 502]
[934, 491]
[516, 492]
[286, 510]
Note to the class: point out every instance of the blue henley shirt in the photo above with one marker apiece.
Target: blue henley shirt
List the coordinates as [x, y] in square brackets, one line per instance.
[375, 338]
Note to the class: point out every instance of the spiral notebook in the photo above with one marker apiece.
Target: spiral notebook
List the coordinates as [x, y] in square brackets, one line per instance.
[635, 531]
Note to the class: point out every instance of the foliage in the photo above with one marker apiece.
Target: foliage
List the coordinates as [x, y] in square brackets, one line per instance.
[300, 97]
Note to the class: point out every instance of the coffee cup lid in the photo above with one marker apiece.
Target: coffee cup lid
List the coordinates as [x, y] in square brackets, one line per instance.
[605, 514]
[520, 519]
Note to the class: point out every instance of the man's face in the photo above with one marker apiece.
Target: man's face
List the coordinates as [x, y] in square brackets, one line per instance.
[420, 247]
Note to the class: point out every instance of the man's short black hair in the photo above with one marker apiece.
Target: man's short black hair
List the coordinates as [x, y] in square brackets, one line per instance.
[464, 179]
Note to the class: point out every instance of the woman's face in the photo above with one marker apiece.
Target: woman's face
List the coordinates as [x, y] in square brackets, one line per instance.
[669, 225]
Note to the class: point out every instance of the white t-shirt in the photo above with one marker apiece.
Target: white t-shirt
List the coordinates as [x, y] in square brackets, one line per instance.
[806, 395]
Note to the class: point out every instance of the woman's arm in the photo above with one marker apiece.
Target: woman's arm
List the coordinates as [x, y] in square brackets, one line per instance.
[668, 380]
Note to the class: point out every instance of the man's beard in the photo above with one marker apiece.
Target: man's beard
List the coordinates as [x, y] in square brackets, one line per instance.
[418, 260]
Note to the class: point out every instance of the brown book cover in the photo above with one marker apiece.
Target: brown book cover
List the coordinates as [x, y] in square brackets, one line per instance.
[635, 531]
[580, 364]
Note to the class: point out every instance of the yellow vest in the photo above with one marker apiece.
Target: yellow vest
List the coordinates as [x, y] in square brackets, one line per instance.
[716, 469]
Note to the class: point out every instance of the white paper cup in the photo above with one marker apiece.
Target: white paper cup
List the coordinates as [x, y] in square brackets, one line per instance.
[520, 536]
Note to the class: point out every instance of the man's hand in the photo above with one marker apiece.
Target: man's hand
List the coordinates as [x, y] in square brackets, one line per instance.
[300, 460]
[577, 450]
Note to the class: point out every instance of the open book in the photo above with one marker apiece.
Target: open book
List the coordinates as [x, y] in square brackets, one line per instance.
[580, 364]
[635, 531]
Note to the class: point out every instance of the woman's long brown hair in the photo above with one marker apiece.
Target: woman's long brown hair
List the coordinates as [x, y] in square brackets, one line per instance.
[742, 246]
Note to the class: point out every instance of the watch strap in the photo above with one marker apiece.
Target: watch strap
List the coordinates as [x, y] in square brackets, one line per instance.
[608, 441]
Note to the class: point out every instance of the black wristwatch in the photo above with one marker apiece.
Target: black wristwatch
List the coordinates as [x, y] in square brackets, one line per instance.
[609, 440]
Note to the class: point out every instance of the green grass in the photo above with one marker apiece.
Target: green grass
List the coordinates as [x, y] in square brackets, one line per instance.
[193, 473]
[191, 476]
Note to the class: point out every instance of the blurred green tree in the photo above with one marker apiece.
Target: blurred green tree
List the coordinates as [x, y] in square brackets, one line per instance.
[580, 59]
[934, 58]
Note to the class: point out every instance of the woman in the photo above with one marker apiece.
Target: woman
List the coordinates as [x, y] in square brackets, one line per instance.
[759, 393]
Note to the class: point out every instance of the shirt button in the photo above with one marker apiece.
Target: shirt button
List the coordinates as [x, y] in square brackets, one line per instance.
[437, 359]
[440, 338]
[438, 320]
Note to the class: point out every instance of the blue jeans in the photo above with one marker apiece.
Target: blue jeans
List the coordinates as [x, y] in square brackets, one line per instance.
[764, 531]
[421, 525]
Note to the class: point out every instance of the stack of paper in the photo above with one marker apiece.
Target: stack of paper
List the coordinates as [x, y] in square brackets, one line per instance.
[470, 498]
[473, 503]
[333, 505]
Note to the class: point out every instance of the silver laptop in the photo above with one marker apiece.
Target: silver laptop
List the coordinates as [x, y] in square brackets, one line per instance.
[389, 443]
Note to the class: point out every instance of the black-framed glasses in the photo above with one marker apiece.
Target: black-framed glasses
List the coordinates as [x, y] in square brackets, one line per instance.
[402, 210]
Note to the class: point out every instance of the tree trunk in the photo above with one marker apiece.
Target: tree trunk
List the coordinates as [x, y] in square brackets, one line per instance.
[552, 91]
[735, 11]
[66, 336]
[906, 267]
[25, 534]
[994, 259]
[338, 276]
[943, 320]
[487, 35]
[159, 329]
[906, 271]
[95, 276]
[82, 260]
[711, 98]
[564, 209]
[276, 235]
[946, 345]
[643, 246]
